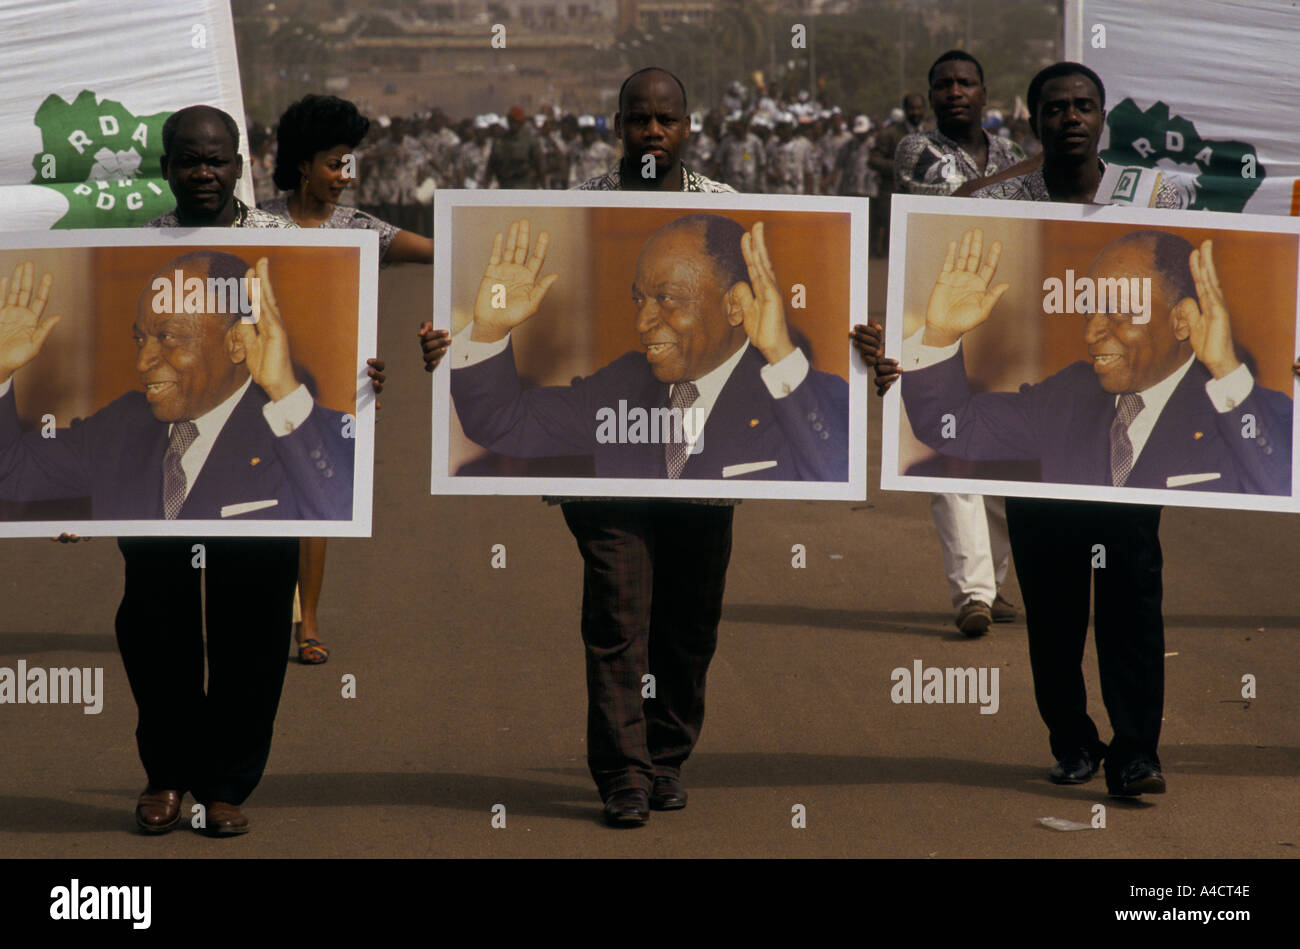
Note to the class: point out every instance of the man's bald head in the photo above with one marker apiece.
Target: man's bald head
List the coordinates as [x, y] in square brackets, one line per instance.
[193, 114]
[720, 241]
[227, 272]
[646, 75]
[1128, 356]
[1168, 261]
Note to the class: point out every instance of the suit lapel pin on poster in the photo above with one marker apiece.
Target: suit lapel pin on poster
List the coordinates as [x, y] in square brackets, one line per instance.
[174, 396]
[649, 345]
[1026, 329]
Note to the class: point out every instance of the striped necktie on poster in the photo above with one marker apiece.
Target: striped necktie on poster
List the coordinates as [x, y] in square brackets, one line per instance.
[1121, 448]
[676, 450]
[183, 435]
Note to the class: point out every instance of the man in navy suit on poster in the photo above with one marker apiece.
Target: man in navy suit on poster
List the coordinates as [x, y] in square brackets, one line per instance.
[717, 353]
[1162, 402]
[221, 430]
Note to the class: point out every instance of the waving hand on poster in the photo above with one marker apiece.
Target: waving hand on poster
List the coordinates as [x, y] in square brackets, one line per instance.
[22, 331]
[961, 299]
[764, 312]
[510, 292]
[1208, 323]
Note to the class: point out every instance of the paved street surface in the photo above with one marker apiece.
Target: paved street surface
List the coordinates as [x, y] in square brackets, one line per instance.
[469, 690]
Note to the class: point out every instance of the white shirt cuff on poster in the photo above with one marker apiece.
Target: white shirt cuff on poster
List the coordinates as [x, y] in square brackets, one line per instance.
[289, 413]
[917, 355]
[1226, 393]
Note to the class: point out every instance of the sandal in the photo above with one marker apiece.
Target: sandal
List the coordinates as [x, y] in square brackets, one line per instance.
[312, 653]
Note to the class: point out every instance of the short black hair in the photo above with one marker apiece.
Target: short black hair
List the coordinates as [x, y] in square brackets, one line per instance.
[1056, 71]
[915, 95]
[314, 124]
[213, 263]
[1170, 259]
[623, 88]
[721, 242]
[173, 122]
[955, 54]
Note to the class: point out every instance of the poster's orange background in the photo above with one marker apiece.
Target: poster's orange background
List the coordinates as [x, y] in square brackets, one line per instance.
[316, 288]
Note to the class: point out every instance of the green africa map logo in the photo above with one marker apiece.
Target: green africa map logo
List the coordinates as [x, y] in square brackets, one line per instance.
[1212, 175]
[103, 159]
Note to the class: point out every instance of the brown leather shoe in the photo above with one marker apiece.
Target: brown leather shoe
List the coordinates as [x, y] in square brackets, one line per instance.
[224, 820]
[974, 618]
[158, 811]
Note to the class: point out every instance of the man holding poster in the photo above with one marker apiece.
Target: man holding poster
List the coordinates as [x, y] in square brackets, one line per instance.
[1115, 421]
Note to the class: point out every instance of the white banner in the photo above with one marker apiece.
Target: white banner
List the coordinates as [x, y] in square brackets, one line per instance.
[87, 87]
[1203, 89]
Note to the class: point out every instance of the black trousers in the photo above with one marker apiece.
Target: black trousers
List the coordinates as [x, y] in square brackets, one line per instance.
[214, 744]
[652, 591]
[1054, 544]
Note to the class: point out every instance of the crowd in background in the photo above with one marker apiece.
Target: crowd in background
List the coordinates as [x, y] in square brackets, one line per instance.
[752, 141]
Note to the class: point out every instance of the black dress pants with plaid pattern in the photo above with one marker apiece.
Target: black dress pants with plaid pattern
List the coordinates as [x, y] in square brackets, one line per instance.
[654, 577]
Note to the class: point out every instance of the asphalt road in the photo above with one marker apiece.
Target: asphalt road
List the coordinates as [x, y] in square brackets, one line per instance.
[469, 690]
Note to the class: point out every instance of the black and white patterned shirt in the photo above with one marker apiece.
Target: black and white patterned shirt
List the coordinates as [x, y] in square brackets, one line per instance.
[1033, 187]
[343, 217]
[932, 163]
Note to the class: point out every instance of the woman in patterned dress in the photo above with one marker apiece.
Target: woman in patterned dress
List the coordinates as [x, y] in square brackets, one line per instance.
[315, 162]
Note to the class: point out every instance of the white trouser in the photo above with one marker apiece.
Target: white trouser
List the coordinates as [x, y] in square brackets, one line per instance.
[976, 551]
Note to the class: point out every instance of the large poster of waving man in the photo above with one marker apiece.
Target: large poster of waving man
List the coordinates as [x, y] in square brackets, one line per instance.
[201, 381]
[679, 346]
[1081, 352]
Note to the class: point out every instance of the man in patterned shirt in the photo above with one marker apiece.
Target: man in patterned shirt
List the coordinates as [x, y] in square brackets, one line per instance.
[957, 149]
[972, 529]
[655, 569]
[636, 747]
[1053, 540]
[215, 745]
[1067, 112]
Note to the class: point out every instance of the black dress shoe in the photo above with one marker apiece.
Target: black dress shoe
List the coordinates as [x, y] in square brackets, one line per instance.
[1075, 768]
[668, 794]
[627, 808]
[158, 810]
[1139, 776]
